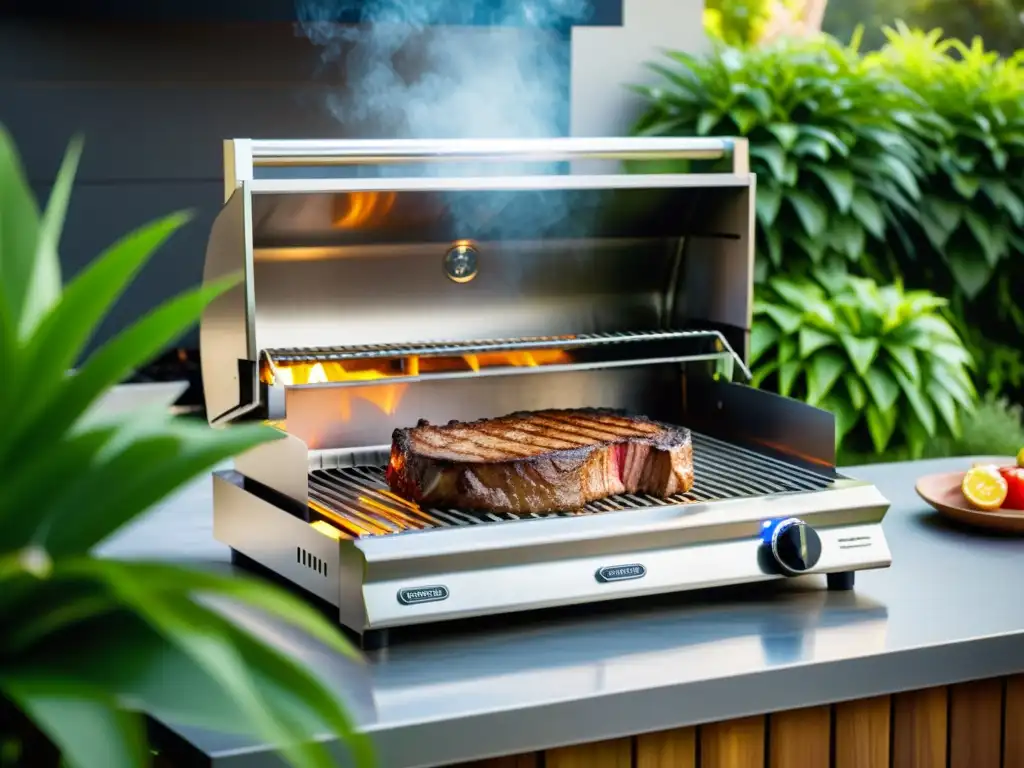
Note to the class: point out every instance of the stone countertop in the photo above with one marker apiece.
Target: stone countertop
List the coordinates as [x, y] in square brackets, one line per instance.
[943, 613]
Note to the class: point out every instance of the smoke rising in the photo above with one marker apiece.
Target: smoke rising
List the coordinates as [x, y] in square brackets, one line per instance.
[455, 69]
[417, 69]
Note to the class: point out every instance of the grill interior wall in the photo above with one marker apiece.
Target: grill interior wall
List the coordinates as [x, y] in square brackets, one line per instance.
[365, 415]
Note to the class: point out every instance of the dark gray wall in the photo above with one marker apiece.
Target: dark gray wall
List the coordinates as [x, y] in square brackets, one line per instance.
[154, 102]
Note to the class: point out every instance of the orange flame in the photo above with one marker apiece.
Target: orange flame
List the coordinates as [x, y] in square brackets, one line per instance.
[386, 398]
[288, 373]
[356, 210]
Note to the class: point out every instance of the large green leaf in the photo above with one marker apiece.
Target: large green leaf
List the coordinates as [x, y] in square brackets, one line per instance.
[822, 373]
[1000, 193]
[762, 337]
[108, 366]
[827, 136]
[44, 286]
[225, 653]
[785, 133]
[788, 373]
[810, 340]
[907, 359]
[812, 213]
[881, 425]
[787, 319]
[64, 332]
[992, 247]
[769, 199]
[901, 174]
[838, 181]
[147, 460]
[166, 578]
[86, 723]
[884, 390]
[862, 351]
[918, 403]
[845, 414]
[867, 212]
[945, 405]
[957, 385]
[19, 235]
[126, 657]
[856, 390]
[64, 458]
[970, 271]
[773, 157]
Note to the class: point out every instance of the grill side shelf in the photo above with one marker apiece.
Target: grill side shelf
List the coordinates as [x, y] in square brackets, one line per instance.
[358, 500]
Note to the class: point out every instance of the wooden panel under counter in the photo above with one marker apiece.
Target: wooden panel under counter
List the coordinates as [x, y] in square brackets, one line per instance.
[977, 724]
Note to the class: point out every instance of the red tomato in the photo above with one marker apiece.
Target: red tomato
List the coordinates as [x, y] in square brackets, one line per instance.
[1014, 477]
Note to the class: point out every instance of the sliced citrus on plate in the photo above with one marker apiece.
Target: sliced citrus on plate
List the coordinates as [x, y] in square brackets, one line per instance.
[984, 488]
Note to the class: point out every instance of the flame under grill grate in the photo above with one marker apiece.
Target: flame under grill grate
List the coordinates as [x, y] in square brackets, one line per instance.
[358, 500]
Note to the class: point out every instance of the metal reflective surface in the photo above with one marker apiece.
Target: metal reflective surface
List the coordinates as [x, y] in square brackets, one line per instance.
[933, 618]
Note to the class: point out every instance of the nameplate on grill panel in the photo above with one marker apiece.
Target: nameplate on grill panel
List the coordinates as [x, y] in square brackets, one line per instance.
[418, 595]
[621, 572]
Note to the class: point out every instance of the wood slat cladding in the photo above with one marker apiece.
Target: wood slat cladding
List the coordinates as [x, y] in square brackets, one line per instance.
[861, 733]
[733, 744]
[1013, 723]
[616, 753]
[667, 749]
[978, 724]
[800, 738]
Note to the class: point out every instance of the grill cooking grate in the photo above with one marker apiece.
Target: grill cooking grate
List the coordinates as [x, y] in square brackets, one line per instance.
[357, 499]
[372, 351]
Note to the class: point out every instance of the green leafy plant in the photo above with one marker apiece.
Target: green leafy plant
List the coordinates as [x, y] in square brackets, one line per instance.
[968, 232]
[972, 211]
[827, 141]
[737, 22]
[995, 427]
[86, 643]
[883, 360]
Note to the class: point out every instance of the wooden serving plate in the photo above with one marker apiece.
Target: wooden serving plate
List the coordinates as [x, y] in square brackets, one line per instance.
[943, 492]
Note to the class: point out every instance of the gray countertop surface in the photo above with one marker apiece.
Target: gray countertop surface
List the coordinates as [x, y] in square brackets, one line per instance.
[948, 610]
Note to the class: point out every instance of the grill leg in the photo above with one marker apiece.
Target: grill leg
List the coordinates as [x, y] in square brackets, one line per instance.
[374, 639]
[840, 582]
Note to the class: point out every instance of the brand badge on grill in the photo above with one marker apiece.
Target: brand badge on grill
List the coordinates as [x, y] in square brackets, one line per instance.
[417, 595]
[621, 572]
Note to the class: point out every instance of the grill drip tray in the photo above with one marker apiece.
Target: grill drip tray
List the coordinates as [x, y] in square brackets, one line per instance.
[357, 500]
[384, 563]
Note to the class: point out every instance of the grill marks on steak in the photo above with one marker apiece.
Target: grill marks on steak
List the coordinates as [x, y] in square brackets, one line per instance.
[539, 461]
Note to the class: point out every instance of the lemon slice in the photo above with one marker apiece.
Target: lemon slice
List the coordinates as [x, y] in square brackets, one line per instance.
[984, 488]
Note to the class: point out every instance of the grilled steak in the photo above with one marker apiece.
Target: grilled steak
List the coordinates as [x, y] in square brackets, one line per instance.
[541, 461]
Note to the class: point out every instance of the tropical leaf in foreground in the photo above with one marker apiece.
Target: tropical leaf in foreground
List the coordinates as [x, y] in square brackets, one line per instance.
[88, 643]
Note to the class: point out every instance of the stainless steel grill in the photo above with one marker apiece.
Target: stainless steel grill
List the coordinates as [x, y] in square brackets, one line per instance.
[373, 302]
[357, 499]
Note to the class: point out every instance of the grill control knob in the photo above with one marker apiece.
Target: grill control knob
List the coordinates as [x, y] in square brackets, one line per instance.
[796, 547]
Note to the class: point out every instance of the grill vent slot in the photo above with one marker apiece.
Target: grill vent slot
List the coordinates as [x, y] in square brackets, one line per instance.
[855, 542]
[311, 561]
[358, 500]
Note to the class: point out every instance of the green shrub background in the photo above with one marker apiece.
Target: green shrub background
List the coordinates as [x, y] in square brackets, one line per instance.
[890, 197]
